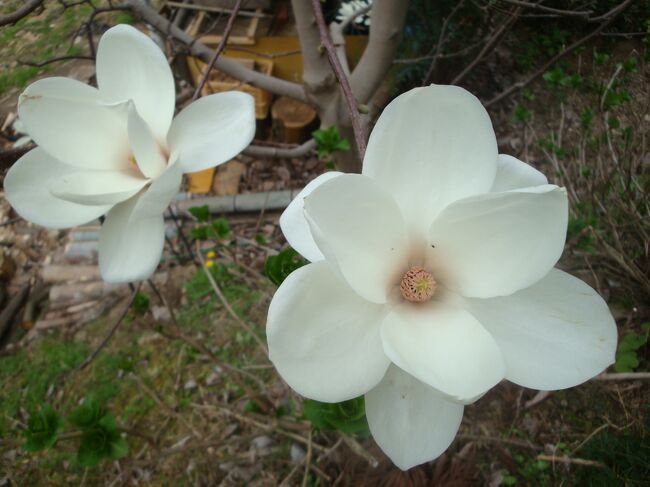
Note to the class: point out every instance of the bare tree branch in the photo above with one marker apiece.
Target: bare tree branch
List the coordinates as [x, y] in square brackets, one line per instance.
[298, 151]
[441, 42]
[40, 64]
[388, 18]
[220, 47]
[489, 46]
[610, 16]
[231, 68]
[544, 8]
[27, 8]
[113, 329]
[359, 135]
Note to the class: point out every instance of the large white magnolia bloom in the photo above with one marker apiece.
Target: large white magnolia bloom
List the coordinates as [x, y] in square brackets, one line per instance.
[431, 279]
[115, 151]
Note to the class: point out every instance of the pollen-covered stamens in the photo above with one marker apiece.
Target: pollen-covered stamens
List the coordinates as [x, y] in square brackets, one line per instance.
[418, 285]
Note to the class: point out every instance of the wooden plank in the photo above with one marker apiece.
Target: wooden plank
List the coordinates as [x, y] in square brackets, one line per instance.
[236, 40]
[258, 14]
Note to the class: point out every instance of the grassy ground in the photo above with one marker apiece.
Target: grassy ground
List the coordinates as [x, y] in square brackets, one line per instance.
[199, 404]
[41, 37]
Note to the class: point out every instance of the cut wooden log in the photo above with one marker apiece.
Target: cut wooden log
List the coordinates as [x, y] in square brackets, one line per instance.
[292, 119]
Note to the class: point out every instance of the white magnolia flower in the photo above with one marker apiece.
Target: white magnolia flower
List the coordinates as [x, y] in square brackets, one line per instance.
[351, 7]
[115, 150]
[432, 279]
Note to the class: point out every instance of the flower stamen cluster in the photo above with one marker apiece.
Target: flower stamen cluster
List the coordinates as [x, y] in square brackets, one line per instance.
[418, 285]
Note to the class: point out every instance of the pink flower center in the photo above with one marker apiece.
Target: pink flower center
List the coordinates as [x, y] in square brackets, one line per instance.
[418, 285]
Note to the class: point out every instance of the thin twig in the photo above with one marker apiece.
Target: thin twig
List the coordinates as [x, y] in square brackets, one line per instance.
[441, 41]
[228, 66]
[163, 405]
[226, 367]
[226, 304]
[350, 101]
[113, 329]
[610, 16]
[356, 447]
[544, 8]
[624, 376]
[54, 60]
[568, 460]
[496, 439]
[305, 476]
[181, 234]
[489, 45]
[217, 52]
[19, 13]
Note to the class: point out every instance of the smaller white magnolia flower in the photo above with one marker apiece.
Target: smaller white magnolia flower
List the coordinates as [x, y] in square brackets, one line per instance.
[350, 8]
[115, 151]
[432, 279]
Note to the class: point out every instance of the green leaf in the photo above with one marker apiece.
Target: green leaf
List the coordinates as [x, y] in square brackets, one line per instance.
[329, 140]
[347, 416]
[119, 447]
[631, 341]
[278, 267]
[201, 213]
[87, 416]
[221, 227]
[103, 440]
[520, 114]
[42, 429]
[626, 362]
[199, 233]
[141, 303]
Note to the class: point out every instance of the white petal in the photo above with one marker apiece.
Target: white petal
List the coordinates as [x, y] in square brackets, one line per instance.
[513, 174]
[132, 237]
[431, 146]
[323, 338]
[294, 224]
[26, 188]
[444, 347]
[359, 229]
[213, 130]
[555, 334]
[66, 119]
[146, 150]
[131, 67]
[97, 187]
[410, 421]
[498, 243]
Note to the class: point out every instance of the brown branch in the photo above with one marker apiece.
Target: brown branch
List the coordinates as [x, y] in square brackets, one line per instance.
[543, 8]
[54, 60]
[217, 290]
[568, 460]
[201, 51]
[13, 17]
[489, 46]
[220, 47]
[353, 108]
[281, 152]
[112, 331]
[10, 156]
[610, 16]
[624, 376]
[388, 18]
